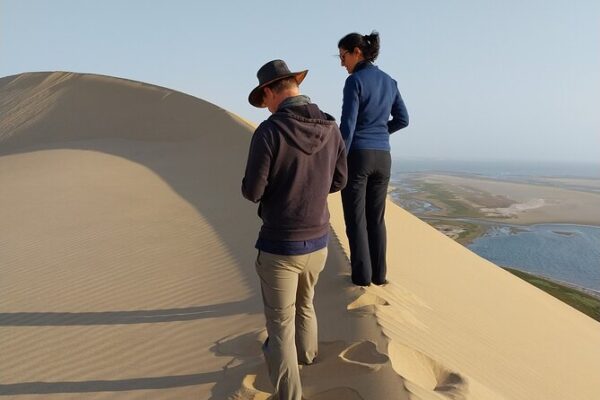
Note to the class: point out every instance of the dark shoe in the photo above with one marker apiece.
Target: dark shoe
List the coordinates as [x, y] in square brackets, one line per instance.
[382, 283]
[363, 284]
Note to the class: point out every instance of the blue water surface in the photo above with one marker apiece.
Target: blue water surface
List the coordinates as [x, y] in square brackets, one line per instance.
[569, 253]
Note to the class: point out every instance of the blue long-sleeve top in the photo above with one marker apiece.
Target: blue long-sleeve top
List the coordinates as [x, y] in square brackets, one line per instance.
[370, 97]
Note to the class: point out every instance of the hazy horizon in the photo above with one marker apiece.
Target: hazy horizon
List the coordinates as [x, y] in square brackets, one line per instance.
[481, 80]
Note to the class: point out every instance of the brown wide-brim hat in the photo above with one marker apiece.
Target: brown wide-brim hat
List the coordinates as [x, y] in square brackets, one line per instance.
[270, 72]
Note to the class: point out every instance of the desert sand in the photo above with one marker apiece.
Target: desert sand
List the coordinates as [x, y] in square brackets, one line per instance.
[126, 271]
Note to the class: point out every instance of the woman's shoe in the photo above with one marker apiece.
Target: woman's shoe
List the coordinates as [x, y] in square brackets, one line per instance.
[382, 283]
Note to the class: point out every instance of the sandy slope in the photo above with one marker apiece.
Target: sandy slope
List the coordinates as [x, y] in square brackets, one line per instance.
[126, 271]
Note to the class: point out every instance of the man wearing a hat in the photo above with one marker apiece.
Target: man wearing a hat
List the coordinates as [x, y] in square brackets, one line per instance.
[296, 159]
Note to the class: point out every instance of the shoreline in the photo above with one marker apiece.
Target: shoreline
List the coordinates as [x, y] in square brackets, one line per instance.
[583, 300]
[455, 209]
[588, 291]
[499, 222]
[463, 198]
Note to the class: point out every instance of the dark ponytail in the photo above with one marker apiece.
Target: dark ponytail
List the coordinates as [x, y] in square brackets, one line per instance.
[368, 44]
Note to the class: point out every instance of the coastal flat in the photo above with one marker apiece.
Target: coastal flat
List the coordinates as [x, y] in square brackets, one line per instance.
[127, 272]
[591, 185]
[528, 203]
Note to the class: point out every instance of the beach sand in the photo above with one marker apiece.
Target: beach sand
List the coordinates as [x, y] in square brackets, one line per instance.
[127, 271]
[531, 203]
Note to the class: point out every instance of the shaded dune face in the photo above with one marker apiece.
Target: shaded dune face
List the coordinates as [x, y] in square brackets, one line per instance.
[45, 108]
[130, 252]
[196, 148]
[118, 207]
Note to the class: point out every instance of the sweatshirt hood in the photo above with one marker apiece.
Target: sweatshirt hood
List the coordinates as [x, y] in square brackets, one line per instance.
[305, 126]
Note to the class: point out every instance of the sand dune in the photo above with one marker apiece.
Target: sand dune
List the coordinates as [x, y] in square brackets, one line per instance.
[126, 271]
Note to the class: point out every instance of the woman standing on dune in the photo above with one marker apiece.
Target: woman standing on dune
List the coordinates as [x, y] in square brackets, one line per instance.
[370, 97]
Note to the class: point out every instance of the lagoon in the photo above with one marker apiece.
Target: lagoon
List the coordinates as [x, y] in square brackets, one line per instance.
[564, 252]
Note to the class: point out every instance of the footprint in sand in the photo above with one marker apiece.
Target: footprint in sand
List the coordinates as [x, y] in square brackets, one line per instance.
[364, 354]
[344, 393]
[341, 393]
[246, 365]
[424, 375]
[451, 385]
[342, 372]
[255, 387]
[241, 346]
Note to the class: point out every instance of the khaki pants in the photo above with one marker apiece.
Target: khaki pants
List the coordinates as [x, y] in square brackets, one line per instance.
[288, 287]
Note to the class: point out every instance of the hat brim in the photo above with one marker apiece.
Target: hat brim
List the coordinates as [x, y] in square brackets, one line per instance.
[256, 95]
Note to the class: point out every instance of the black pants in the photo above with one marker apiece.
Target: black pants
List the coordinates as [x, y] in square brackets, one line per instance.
[364, 208]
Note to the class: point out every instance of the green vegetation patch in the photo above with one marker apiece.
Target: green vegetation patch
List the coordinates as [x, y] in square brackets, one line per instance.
[437, 194]
[581, 301]
[470, 231]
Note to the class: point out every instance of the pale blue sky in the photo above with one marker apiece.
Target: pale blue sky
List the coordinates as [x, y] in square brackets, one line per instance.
[482, 79]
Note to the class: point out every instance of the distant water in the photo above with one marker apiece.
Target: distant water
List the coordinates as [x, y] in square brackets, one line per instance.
[569, 253]
[413, 205]
[498, 169]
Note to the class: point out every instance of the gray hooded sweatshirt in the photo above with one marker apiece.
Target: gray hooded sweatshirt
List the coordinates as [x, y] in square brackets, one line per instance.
[296, 159]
